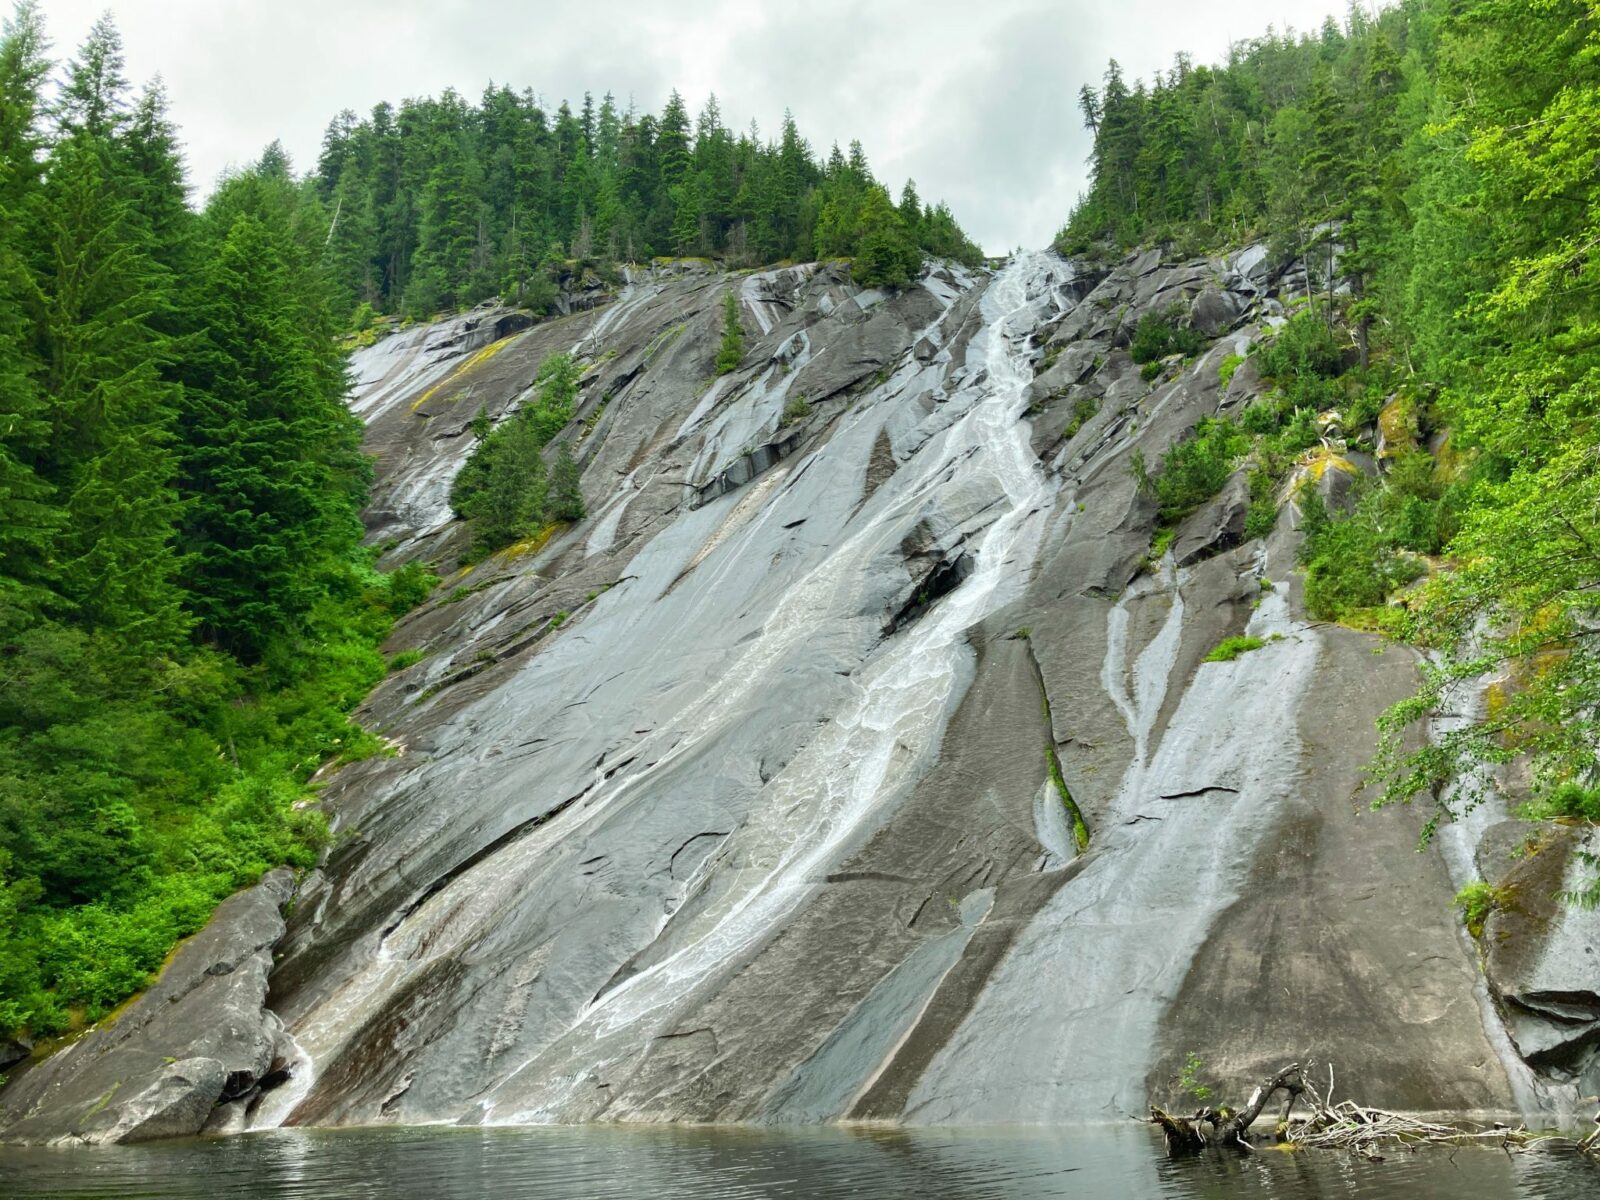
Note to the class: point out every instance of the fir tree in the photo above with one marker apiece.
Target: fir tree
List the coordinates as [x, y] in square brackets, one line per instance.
[110, 456]
[566, 490]
[731, 352]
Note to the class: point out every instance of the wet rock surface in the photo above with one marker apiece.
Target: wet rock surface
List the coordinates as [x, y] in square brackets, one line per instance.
[858, 764]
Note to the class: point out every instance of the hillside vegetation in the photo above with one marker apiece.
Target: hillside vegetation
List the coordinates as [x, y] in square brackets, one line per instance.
[1443, 156]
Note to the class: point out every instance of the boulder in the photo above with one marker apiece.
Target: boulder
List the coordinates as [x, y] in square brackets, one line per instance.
[1540, 958]
[159, 1067]
[1217, 526]
[1213, 312]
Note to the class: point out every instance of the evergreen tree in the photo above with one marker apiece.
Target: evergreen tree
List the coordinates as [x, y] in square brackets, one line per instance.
[28, 518]
[566, 490]
[731, 351]
[262, 425]
[885, 254]
[110, 456]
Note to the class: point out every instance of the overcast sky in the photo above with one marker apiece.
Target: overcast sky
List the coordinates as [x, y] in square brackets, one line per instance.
[974, 99]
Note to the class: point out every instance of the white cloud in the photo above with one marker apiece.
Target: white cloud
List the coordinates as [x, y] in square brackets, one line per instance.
[976, 101]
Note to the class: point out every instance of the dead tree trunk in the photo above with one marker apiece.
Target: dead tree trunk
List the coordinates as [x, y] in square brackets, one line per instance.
[1190, 1135]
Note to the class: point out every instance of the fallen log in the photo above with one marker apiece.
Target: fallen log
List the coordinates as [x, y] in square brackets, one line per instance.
[1212, 1126]
[1346, 1125]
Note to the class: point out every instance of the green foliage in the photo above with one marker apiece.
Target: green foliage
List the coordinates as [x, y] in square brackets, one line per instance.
[185, 618]
[1160, 334]
[1189, 1078]
[1262, 516]
[1304, 346]
[1231, 648]
[566, 490]
[405, 659]
[504, 489]
[887, 254]
[1475, 902]
[795, 410]
[438, 202]
[731, 351]
[1083, 408]
[1570, 801]
[1195, 469]
[1230, 364]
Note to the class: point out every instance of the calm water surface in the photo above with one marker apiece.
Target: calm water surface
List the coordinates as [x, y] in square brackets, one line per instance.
[686, 1164]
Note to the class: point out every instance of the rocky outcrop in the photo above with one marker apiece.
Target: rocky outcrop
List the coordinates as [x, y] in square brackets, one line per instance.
[1540, 958]
[197, 1039]
[852, 760]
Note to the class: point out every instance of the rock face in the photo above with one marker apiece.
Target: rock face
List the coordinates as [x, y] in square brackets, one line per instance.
[198, 1038]
[855, 764]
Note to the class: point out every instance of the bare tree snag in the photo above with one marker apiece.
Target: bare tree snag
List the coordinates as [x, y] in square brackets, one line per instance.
[1209, 1126]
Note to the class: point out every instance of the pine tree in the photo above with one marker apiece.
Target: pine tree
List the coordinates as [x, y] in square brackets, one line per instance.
[110, 455]
[94, 98]
[885, 254]
[272, 468]
[511, 504]
[28, 516]
[731, 352]
[566, 485]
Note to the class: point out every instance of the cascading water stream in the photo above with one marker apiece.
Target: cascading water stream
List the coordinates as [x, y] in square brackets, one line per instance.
[861, 762]
[855, 765]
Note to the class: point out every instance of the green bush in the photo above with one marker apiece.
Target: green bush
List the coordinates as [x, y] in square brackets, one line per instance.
[731, 351]
[1159, 334]
[405, 659]
[1568, 800]
[796, 410]
[503, 488]
[1304, 347]
[1231, 648]
[1475, 902]
[1083, 409]
[1195, 469]
[1263, 514]
[128, 812]
[1230, 364]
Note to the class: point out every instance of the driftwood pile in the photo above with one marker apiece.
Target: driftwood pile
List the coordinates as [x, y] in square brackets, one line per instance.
[1342, 1126]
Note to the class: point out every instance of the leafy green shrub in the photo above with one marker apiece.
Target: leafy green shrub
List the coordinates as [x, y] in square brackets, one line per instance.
[1231, 648]
[1304, 347]
[1230, 364]
[1570, 800]
[405, 659]
[1263, 514]
[1195, 469]
[1475, 902]
[1083, 409]
[1159, 334]
[503, 488]
[127, 814]
[1150, 371]
[408, 586]
[1188, 1078]
[796, 410]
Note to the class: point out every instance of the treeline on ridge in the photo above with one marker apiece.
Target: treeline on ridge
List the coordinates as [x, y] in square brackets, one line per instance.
[440, 203]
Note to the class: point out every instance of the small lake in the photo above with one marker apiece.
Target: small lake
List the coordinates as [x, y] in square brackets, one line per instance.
[687, 1163]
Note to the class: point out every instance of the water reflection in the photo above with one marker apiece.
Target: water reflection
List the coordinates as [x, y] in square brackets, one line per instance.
[734, 1164]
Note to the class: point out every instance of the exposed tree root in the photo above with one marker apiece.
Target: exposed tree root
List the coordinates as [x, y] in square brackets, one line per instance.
[1343, 1126]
